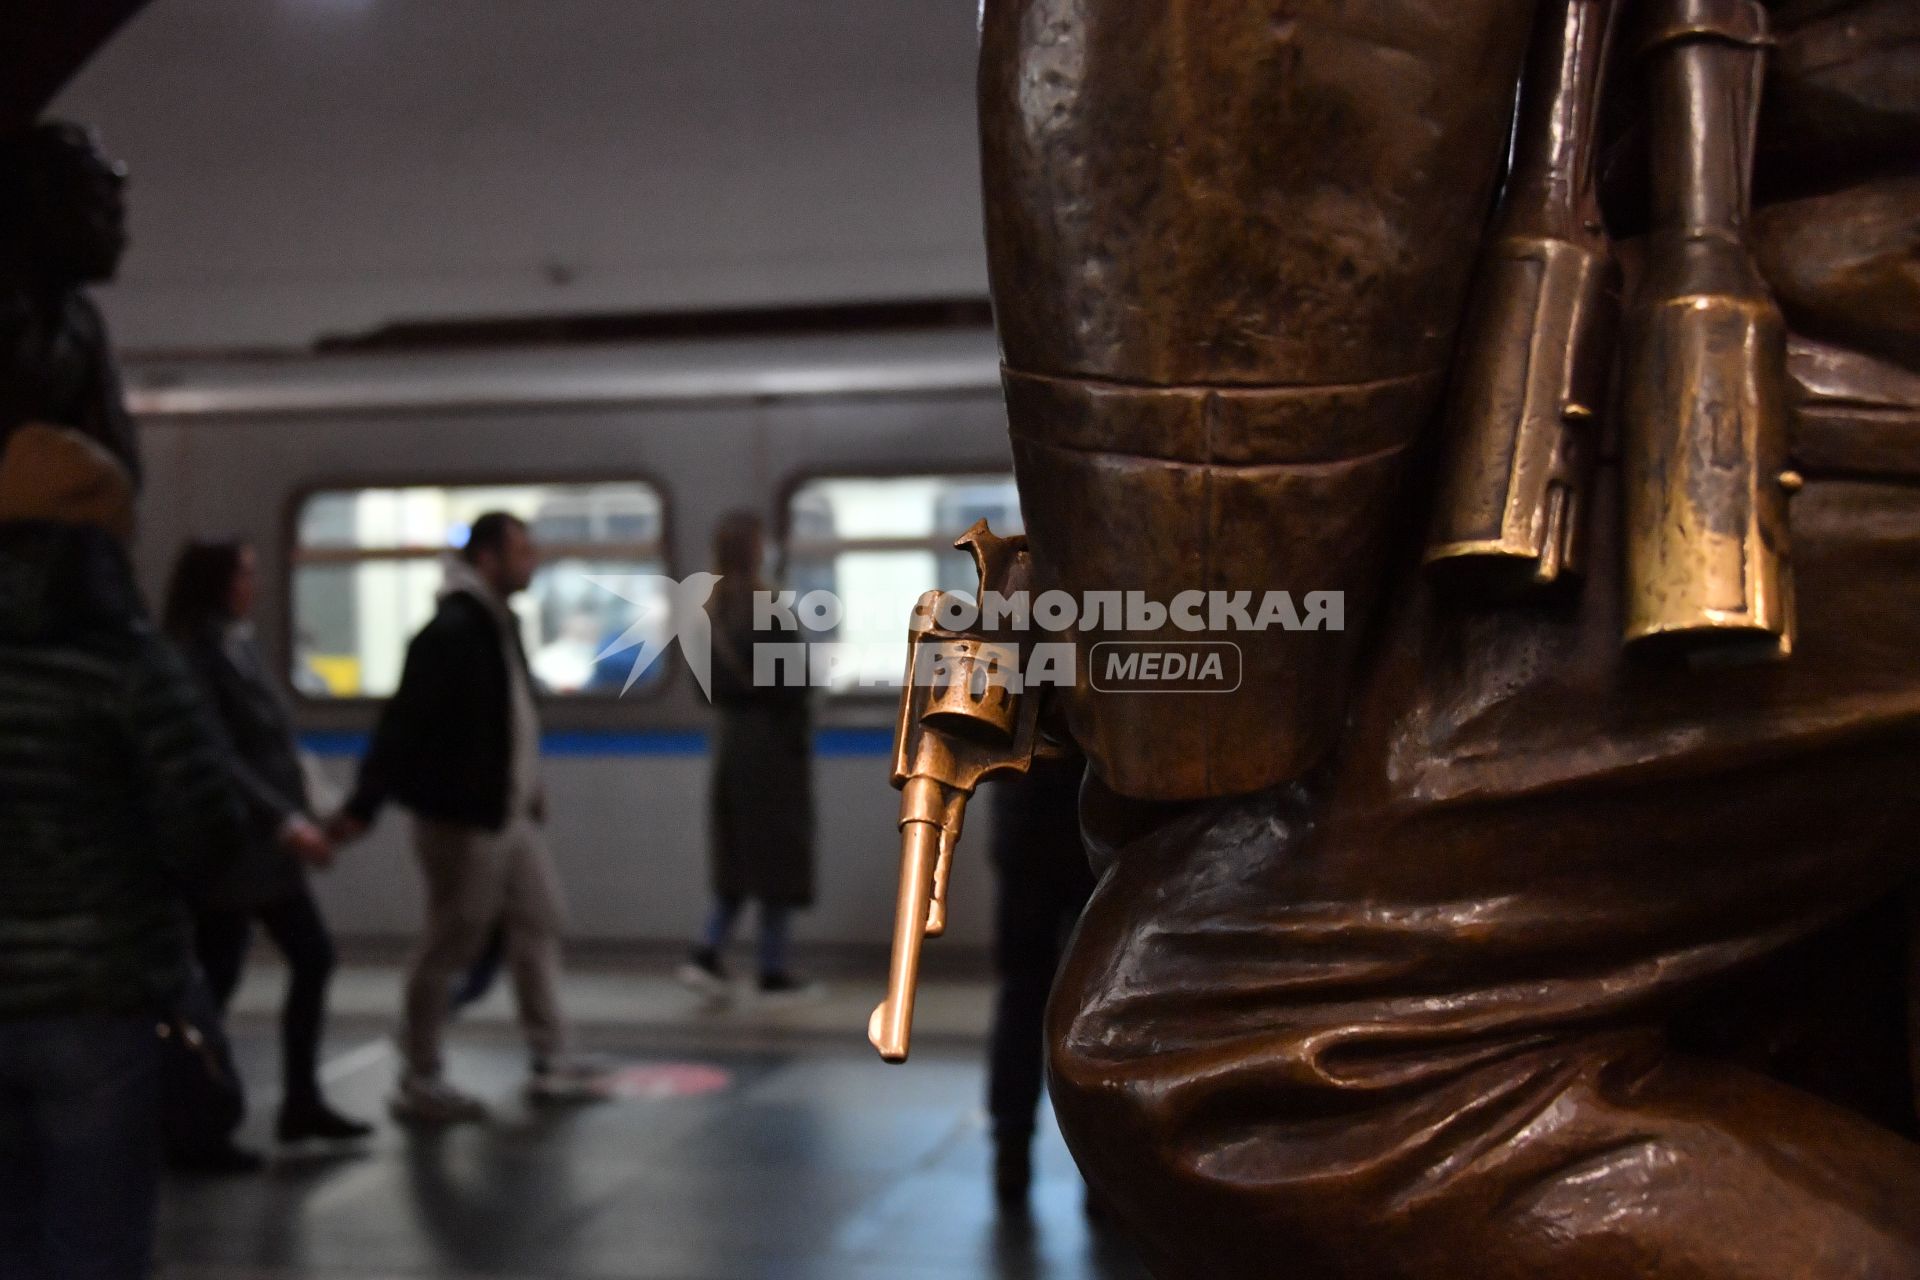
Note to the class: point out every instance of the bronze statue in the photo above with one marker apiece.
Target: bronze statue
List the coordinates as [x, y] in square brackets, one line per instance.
[1528, 926]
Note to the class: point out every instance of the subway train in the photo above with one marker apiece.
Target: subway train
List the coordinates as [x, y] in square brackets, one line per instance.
[868, 439]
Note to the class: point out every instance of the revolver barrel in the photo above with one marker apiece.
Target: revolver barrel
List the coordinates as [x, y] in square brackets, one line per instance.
[921, 841]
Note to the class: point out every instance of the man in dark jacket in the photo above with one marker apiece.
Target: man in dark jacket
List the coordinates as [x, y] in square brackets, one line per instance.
[459, 745]
[114, 806]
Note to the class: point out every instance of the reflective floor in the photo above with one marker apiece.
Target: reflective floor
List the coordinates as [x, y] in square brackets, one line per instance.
[737, 1143]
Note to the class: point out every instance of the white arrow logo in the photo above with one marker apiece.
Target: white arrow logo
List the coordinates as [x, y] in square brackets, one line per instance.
[686, 621]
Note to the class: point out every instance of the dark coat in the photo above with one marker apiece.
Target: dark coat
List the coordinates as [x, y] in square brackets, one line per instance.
[443, 746]
[761, 803]
[115, 802]
[264, 761]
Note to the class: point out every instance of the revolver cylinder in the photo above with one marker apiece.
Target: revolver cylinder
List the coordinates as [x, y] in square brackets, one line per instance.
[922, 844]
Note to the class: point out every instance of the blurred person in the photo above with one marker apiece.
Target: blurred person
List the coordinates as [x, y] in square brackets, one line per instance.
[115, 807]
[208, 616]
[62, 228]
[760, 806]
[459, 745]
[1042, 883]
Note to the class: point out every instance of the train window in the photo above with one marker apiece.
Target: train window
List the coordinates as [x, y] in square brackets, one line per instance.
[877, 543]
[367, 564]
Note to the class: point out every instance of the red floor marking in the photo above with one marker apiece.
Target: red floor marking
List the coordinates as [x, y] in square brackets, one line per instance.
[664, 1080]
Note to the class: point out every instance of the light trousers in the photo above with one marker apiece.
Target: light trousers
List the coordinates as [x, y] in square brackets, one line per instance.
[474, 880]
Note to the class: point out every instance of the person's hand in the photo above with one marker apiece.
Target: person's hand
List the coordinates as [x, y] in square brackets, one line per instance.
[344, 828]
[307, 842]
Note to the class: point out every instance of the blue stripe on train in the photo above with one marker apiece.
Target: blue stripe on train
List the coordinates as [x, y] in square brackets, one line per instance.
[827, 743]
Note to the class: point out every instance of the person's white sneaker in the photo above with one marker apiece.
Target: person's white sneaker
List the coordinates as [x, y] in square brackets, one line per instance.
[429, 1100]
[569, 1077]
[704, 975]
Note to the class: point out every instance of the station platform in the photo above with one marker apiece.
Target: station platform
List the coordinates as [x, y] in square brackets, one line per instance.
[733, 1143]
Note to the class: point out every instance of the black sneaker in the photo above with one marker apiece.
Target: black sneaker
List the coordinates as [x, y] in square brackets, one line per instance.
[703, 974]
[316, 1119]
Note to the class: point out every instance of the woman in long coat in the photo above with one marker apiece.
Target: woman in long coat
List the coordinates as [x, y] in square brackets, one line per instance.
[760, 822]
[209, 601]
